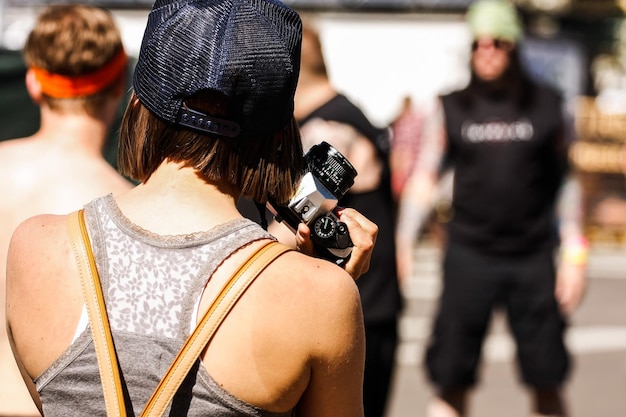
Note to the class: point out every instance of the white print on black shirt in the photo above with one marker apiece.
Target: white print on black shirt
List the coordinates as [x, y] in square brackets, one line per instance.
[497, 131]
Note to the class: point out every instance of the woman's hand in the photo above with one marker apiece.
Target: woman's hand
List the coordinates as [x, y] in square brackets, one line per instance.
[363, 234]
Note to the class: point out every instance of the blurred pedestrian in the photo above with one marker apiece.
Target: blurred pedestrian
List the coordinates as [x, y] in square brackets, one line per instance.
[325, 114]
[504, 136]
[211, 118]
[77, 76]
[406, 131]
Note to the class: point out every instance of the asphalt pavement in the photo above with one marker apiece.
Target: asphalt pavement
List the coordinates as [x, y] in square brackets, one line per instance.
[596, 339]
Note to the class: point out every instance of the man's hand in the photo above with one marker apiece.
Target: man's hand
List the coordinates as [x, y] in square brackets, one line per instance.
[571, 283]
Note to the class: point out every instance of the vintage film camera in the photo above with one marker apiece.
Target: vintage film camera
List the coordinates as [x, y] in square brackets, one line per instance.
[329, 176]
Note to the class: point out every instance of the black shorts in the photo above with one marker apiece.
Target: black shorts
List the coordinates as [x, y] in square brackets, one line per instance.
[475, 284]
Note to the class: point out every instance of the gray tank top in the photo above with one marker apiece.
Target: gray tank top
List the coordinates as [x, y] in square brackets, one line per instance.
[152, 284]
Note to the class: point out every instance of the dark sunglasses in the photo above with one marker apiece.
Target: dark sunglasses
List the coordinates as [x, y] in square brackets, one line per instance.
[497, 43]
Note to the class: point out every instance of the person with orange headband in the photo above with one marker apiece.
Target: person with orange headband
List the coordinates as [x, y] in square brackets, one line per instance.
[77, 75]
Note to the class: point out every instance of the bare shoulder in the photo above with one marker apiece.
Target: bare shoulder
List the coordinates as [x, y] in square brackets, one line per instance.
[43, 296]
[13, 150]
[14, 155]
[318, 299]
[32, 243]
[319, 279]
[10, 145]
[325, 320]
[43, 226]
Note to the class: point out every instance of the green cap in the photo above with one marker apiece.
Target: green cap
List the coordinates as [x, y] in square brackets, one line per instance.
[494, 19]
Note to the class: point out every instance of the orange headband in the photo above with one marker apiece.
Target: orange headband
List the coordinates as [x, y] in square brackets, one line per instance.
[67, 86]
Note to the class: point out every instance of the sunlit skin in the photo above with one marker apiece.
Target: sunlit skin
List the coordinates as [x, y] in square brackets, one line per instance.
[490, 57]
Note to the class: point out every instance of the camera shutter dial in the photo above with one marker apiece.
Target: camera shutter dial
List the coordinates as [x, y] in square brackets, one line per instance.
[325, 227]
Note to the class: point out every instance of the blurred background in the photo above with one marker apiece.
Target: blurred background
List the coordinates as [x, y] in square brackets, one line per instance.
[389, 54]
[382, 52]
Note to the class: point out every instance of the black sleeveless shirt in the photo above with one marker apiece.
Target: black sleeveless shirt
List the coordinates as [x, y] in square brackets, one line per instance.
[509, 160]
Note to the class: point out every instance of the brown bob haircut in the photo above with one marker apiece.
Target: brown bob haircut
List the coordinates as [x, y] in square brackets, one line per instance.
[261, 167]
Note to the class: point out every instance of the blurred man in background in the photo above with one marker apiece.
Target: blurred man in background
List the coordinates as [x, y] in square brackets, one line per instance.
[77, 75]
[504, 136]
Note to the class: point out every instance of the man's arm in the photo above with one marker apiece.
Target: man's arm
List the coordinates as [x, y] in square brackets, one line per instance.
[571, 280]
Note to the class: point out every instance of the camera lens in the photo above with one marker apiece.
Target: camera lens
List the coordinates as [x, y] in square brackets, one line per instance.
[331, 168]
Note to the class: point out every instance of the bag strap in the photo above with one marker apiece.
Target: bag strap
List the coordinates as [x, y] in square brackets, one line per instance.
[193, 347]
[211, 320]
[98, 320]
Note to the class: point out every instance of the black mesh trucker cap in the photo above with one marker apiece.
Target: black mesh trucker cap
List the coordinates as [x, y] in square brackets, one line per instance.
[247, 49]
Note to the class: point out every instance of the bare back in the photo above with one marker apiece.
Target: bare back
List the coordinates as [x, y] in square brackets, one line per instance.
[294, 340]
[37, 176]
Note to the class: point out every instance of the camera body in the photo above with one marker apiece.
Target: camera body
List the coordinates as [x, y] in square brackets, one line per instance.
[329, 176]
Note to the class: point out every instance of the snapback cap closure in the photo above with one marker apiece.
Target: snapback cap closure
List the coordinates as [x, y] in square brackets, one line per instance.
[204, 123]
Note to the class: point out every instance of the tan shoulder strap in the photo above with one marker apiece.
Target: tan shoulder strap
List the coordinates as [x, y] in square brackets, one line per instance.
[193, 347]
[98, 319]
[211, 320]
